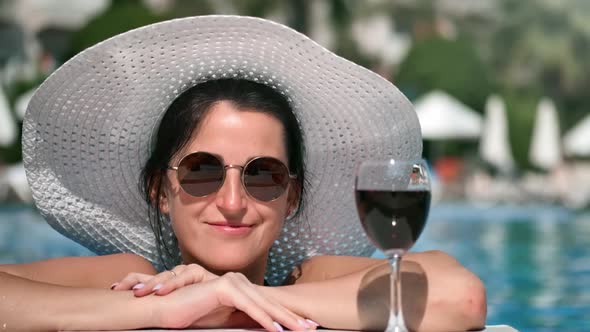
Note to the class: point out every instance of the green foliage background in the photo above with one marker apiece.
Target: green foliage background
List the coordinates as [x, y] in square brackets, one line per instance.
[449, 65]
[521, 50]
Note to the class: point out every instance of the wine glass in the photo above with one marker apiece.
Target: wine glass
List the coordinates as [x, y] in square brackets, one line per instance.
[393, 200]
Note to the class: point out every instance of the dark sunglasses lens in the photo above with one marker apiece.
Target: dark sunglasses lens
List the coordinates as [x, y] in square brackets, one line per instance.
[266, 178]
[200, 174]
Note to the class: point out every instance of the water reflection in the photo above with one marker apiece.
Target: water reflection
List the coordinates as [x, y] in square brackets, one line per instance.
[25, 237]
[536, 269]
[534, 261]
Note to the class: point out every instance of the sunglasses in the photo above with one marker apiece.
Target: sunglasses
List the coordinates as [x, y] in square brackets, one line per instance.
[201, 173]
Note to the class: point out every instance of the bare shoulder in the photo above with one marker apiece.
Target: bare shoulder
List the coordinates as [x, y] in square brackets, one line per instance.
[88, 271]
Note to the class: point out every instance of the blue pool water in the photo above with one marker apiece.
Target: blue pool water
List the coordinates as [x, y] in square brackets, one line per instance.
[534, 261]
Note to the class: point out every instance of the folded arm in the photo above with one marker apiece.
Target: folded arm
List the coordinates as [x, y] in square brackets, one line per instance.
[58, 295]
[64, 293]
[87, 271]
[35, 306]
[353, 293]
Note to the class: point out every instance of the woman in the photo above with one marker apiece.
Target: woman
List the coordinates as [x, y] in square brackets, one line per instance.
[228, 96]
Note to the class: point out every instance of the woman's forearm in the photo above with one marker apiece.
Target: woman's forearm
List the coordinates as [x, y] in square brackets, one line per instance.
[438, 295]
[27, 305]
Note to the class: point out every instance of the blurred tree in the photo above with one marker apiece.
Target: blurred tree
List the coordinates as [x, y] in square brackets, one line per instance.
[184, 8]
[521, 108]
[56, 41]
[418, 17]
[12, 36]
[449, 65]
[531, 49]
[296, 12]
[521, 49]
[342, 15]
[123, 15]
[545, 46]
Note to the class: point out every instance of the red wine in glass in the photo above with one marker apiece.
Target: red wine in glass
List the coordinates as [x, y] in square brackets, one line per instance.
[393, 220]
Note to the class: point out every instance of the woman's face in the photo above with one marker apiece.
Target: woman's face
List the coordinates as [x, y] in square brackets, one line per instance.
[236, 136]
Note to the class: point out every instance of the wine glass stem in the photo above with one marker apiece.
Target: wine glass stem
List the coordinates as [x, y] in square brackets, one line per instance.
[396, 318]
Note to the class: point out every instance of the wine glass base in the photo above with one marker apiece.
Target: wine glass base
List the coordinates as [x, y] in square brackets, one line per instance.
[396, 324]
[396, 329]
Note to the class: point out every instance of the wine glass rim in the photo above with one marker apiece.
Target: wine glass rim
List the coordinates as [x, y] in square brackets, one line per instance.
[394, 161]
[394, 173]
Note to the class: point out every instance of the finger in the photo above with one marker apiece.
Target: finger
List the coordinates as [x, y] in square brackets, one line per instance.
[131, 280]
[271, 308]
[191, 274]
[277, 311]
[229, 294]
[154, 284]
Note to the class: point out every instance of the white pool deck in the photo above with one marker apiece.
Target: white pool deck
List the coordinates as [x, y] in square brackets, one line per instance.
[489, 328]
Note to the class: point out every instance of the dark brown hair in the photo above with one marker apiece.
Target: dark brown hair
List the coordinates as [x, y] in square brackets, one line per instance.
[183, 117]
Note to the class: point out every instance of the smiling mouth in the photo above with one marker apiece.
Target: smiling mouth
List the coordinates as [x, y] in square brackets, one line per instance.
[228, 229]
[230, 225]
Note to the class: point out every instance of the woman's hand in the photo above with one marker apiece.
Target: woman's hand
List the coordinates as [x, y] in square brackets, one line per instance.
[227, 301]
[165, 282]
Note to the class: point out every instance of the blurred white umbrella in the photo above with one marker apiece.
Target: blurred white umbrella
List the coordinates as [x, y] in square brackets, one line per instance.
[444, 117]
[22, 102]
[577, 140]
[7, 125]
[545, 150]
[494, 145]
[13, 178]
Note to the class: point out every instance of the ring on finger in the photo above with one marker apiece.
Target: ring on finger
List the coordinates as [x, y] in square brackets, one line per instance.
[173, 273]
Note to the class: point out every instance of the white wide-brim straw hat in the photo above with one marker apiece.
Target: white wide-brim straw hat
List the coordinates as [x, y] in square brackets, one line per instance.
[89, 127]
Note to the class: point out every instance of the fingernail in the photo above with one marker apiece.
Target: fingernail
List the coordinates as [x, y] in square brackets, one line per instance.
[304, 323]
[278, 326]
[312, 322]
[156, 287]
[138, 286]
[114, 285]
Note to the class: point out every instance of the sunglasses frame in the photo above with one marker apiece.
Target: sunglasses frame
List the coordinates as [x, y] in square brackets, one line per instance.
[242, 169]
